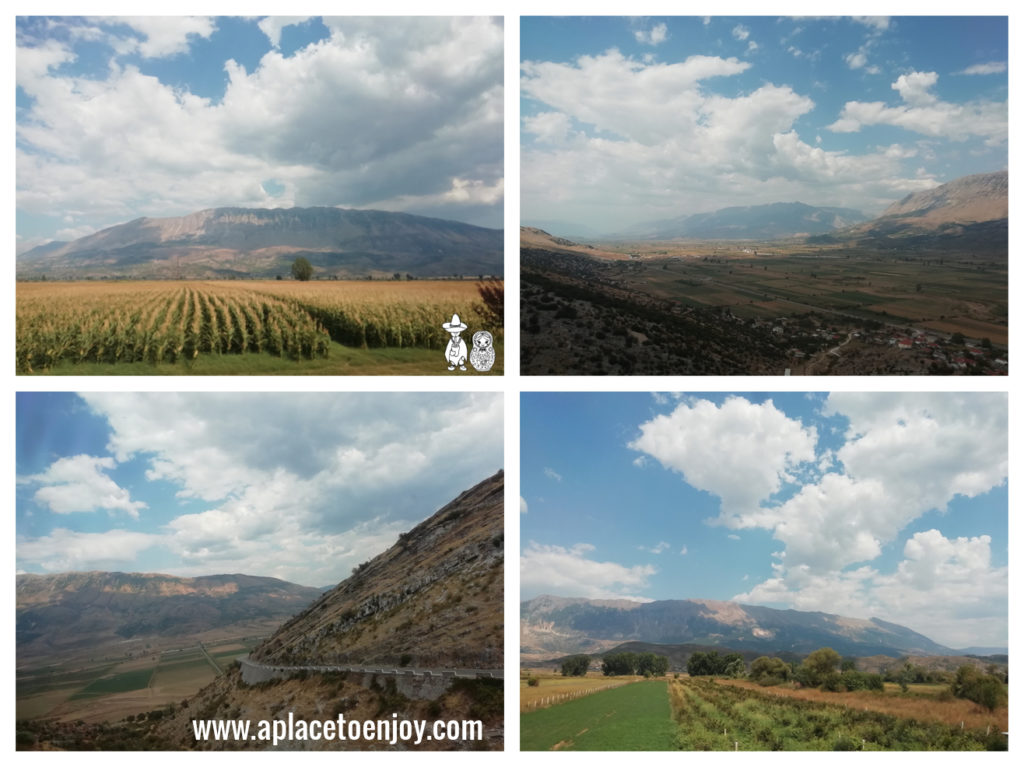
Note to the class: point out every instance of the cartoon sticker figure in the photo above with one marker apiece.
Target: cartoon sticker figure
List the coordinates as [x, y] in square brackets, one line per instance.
[455, 352]
[482, 356]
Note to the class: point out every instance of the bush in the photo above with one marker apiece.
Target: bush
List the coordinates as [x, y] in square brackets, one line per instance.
[984, 689]
[532, 681]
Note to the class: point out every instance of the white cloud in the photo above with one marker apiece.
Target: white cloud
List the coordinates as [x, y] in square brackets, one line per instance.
[659, 548]
[954, 573]
[856, 60]
[271, 26]
[905, 454]
[282, 479]
[549, 127]
[740, 32]
[653, 36]
[712, 445]
[914, 87]
[63, 550]
[166, 35]
[79, 484]
[877, 23]
[404, 114]
[924, 113]
[990, 68]
[523, 508]
[642, 140]
[569, 572]
[683, 551]
[552, 474]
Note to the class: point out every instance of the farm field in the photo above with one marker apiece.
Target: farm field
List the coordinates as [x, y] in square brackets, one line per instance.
[700, 714]
[110, 690]
[941, 294]
[244, 328]
[631, 717]
[922, 702]
[555, 688]
[715, 716]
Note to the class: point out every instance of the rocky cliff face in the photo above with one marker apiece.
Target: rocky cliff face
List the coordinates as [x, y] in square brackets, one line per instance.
[68, 611]
[255, 242]
[558, 626]
[433, 600]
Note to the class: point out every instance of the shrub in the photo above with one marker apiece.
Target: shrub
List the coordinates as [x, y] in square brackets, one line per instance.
[533, 681]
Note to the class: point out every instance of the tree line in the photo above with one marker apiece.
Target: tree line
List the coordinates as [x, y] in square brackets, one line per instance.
[619, 664]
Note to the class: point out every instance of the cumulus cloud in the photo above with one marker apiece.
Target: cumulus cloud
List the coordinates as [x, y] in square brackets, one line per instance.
[643, 139]
[712, 445]
[740, 32]
[523, 508]
[403, 113]
[655, 35]
[80, 484]
[923, 112]
[570, 572]
[953, 572]
[302, 486]
[902, 455]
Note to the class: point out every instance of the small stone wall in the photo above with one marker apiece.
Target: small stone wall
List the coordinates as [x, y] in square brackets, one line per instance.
[413, 683]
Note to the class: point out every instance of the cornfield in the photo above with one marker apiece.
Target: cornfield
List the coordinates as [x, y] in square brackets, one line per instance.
[177, 321]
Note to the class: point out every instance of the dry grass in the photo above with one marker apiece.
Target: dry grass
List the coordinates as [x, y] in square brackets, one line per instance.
[554, 688]
[920, 707]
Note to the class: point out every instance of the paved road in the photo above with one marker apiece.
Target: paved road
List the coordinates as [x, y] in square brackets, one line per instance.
[464, 673]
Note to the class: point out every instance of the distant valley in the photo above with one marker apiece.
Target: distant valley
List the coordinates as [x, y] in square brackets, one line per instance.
[89, 613]
[778, 289]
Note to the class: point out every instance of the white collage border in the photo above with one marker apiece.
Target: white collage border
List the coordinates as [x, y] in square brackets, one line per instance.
[511, 384]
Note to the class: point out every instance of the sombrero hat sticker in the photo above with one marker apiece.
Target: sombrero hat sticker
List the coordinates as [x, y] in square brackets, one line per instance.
[455, 324]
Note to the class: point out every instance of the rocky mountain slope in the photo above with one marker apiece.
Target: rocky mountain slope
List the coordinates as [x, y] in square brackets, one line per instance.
[982, 197]
[753, 222]
[433, 600]
[256, 242]
[63, 613]
[969, 215]
[556, 626]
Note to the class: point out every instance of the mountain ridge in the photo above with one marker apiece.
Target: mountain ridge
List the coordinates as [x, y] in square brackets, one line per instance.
[776, 220]
[68, 612]
[555, 625]
[263, 242]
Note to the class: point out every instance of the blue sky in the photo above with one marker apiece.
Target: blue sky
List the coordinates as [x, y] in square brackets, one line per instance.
[298, 486]
[629, 119]
[866, 505]
[120, 117]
